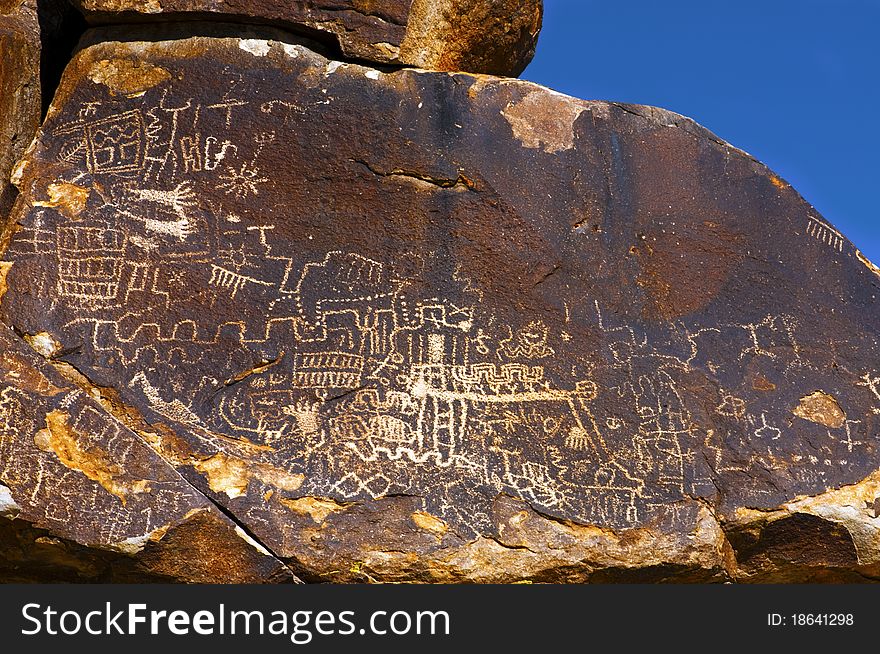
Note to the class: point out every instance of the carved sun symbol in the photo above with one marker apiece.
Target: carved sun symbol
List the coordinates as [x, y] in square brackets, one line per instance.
[242, 182]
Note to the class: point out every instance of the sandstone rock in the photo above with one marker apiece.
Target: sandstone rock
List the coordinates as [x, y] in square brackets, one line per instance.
[441, 327]
[19, 88]
[83, 498]
[477, 36]
[496, 37]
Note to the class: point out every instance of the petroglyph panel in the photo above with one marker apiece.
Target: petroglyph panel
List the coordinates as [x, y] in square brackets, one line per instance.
[69, 468]
[331, 289]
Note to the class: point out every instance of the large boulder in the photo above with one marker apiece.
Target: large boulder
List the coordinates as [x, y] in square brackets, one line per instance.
[441, 327]
[496, 37]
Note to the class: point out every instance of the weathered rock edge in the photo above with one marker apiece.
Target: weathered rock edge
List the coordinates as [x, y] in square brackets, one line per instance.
[19, 89]
[490, 37]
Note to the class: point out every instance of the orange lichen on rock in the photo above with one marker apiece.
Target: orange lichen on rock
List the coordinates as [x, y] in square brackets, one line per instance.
[317, 508]
[429, 523]
[69, 199]
[231, 475]
[821, 408]
[126, 76]
[5, 267]
[62, 439]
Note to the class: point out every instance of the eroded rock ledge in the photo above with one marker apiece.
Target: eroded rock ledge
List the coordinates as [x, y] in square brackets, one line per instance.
[495, 37]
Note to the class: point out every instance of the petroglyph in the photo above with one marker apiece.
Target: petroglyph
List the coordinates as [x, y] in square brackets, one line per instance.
[112, 144]
[825, 233]
[872, 384]
[68, 466]
[767, 430]
[377, 385]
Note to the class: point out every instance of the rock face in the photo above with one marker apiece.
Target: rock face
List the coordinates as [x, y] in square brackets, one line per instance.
[495, 37]
[19, 88]
[83, 498]
[419, 326]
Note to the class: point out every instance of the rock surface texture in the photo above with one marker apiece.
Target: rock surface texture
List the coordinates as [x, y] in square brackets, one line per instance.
[421, 326]
[83, 498]
[19, 88]
[495, 37]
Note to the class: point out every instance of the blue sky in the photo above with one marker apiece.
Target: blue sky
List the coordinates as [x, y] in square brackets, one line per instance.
[796, 83]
